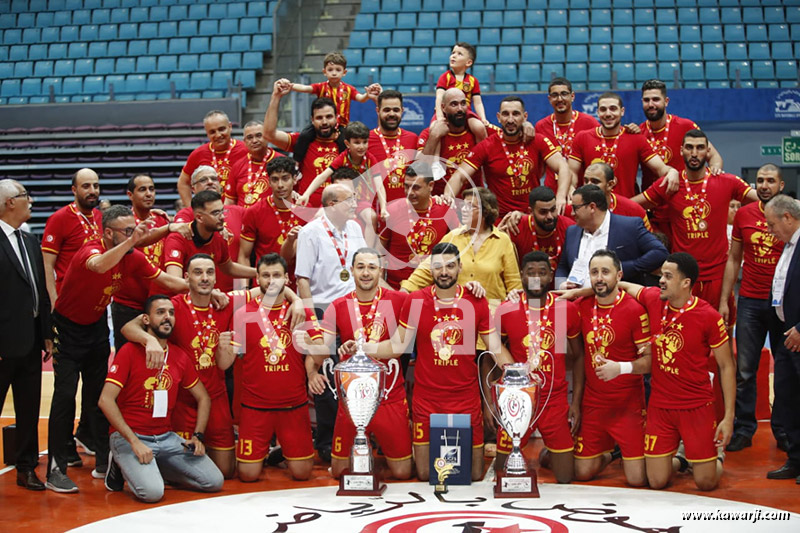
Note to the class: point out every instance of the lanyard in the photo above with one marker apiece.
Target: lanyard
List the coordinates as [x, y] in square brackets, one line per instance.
[659, 145]
[272, 334]
[361, 332]
[225, 159]
[285, 225]
[203, 337]
[666, 325]
[596, 322]
[536, 338]
[564, 140]
[89, 227]
[514, 163]
[342, 256]
[416, 232]
[610, 152]
[535, 236]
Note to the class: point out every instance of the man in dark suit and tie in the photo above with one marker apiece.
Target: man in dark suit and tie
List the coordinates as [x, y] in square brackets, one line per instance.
[782, 214]
[25, 328]
[597, 228]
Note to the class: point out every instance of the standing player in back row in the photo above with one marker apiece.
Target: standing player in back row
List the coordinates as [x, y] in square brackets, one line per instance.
[461, 58]
[390, 146]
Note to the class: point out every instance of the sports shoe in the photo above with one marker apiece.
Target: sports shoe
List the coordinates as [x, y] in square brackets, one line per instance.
[99, 471]
[275, 457]
[739, 442]
[73, 459]
[59, 482]
[82, 444]
[616, 453]
[680, 455]
[113, 479]
[721, 454]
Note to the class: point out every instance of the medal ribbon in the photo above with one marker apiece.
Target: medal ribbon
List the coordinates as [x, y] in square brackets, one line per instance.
[271, 333]
[417, 230]
[390, 154]
[660, 146]
[285, 225]
[553, 258]
[342, 257]
[203, 336]
[514, 163]
[225, 159]
[610, 152]
[666, 325]
[596, 323]
[564, 140]
[89, 227]
[696, 199]
[357, 308]
[536, 339]
[440, 343]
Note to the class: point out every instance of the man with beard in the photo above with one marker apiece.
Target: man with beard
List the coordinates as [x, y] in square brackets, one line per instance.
[138, 401]
[274, 397]
[81, 347]
[368, 314]
[449, 138]
[699, 214]
[390, 146]
[616, 332]
[756, 251]
[221, 153]
[535, 329]
[446, 320]
[249, 179]
[602, 175]
[321, 152]
[512, 167]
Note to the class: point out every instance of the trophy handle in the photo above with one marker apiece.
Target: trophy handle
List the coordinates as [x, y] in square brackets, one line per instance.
[327, 368]
[488, 401]
[542, 403]
[394, 368]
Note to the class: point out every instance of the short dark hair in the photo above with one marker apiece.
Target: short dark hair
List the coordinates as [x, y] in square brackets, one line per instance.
[337, 58]
[282, 164]
[366, 250]
[473, 55]
[388, 94]
[319, 103]
[344, 173]
[148, 304]
[608, 253]
[536, 256]
[770, 167]
[559, 81]
[420, 168]
[114, 212]
[272, 259]
[541, 193]
[655, 84]
[695, 134]
[252, 123]
[687, 265]
[202, 198]
[512, 98]
[591, 194]
[356, 130]
[446, 248]
[605, 168]
[197, 257]
[609, 94]
[131, 186]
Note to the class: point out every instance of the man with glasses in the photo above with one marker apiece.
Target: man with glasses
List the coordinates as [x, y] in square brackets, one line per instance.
[81, 346]
[249, 179]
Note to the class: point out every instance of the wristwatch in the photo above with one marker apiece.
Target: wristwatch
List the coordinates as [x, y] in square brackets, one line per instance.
[200, 436]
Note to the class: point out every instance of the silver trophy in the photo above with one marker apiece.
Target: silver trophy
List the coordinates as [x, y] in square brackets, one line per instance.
[361, 383]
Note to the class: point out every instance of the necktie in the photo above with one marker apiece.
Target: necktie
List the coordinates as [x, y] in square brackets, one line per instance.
[24, 255]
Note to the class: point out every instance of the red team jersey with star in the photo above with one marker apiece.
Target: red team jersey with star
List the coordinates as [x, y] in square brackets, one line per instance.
[134, 292]
[409, 232]
[454, 147]
[699, 226]
[560, 318]
[680, 377]
[620, 327]
[469, 84]
[445, 364]
[379, 326]
[273, 380]
[761, 250]
[266, 229]
[320, 155]
[135, 401]
[562, 135]
[65, 232]
[341, 96]
[365, 195]
[249, 180]
[511, 177]
[223, 162]
[398, 152]
[626, 207]
[178, 250]
[86, 294]
[552, 244]
[590, 146]
[670, 151]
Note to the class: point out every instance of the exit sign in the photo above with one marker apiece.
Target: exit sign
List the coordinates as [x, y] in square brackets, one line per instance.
[791, 150]
[767, 150]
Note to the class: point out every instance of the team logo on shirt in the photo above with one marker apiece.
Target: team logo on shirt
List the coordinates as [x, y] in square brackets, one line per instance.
[49, 238]
[763, 243]
[444, 337]
[695, 216]
[668, 345]
[373, 333]
[175, 253]
[275, 356]
[600, 342]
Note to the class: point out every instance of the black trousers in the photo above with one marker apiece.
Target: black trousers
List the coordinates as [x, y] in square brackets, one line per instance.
[121, 315]
[325, 405]
[787, 396]
[24, 376]
[79, 351]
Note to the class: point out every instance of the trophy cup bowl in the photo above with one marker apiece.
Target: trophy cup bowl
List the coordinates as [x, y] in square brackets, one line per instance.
[361, 384]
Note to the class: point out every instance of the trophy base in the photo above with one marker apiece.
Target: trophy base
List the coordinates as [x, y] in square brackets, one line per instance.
[360, 485]
[440, 489]
[523, 486]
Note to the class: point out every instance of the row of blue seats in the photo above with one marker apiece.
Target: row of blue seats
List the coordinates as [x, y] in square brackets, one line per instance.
[575, 17]
[124, 97]
[145, 30]
[576, 35]
[82, 17]
[132, 83]
[533, 53]
[380, 6]
[157, 47]
[24, 6]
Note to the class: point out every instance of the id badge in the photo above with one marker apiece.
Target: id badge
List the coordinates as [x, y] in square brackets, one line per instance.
[579, 272]
[160, 403]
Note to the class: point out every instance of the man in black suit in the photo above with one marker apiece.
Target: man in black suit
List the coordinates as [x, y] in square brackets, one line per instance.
[596, 228]
[782, 214]
[25, 328]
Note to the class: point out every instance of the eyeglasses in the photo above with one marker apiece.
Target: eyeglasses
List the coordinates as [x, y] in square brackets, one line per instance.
[217, 213]
[23, 194]
[562, 94]
[575, 207]
[127, 231]
[349, 200]
[203, 181]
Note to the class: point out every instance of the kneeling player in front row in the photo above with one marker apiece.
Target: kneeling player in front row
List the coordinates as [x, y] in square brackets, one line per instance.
[138, 402]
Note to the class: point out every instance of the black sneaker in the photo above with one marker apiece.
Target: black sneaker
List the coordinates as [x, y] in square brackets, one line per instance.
[325, 455]
[275, 457]
[113, 479]
[82, 443]
[616, 453]
[739, 442]
[73, 459]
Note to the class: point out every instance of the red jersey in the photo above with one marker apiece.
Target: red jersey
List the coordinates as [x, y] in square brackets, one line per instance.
[234, 215]
[684, 339]
[666, 142]
[184, 215]
[249, 180]
[223, 162]
[699, 220]
[377, 322]
[65, 232]
[320, 155]
[266, 226]
[761, 250]
[135, 291]
[562, 135]
[626, 207]
[454, 147]
[512, 169]
[552, 243]
[341, 96]
[178, 250]
[364, 188]
[395, 152]
[274, 376]
[612, 331]
[135, 401]
[408, 233]
[86, 294]
[469, 84]
[623, 152]
[539, 331]
[446, 337]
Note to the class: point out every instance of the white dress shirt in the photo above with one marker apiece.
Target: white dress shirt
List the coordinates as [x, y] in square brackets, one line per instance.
[590, 243]
[782, 268]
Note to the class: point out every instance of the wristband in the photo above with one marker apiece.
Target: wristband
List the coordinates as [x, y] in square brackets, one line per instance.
[625, 367]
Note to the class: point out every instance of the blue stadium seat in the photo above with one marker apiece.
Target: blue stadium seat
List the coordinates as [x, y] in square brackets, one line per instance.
[599, 72]
[240, 43]
[199, 81]
[89, 32]
[691, 52]
[381, 39]
[208, 27]
[623, 17]
[53, 82]
[786, 70]
[759, 51]
[625, 71]
[401, 38]
[556, 17]
[220, 43]
[355, 58]
[180, 12]
[8, 20]
[396, 56]
[578, 17]
[364, 21]
[484, 73]
[752, 15]
[156, 83]
[531, 53]
[253, 60]
[262, 43]
[427, 21]
[57, 51]
[391, 76]
[782, 51]
[624, 34]
[18, 52]
[511, 36]
[736, 51]
[526, 87]
[98, 49]
[197, 45]
[667, 70]
[695, 85]
[552, 70]
[513, 18]
[135, 83]
[117, 81]
[644, 16]
[709, 15]
[763, 70]
[127, 31]
[601, 17]
[505, 73]
[576, 72]
[120, 15]
[424, 37]
[10, 88]
[668, 34]
[168, 29]
[68, 34]
[490, 36]
[666, 52]
[756, 32]
[666, 17]
[72, 85]
[719, 84]
[692, 71]
[48, 35]
[6, 70]
[600, 35]
[93, 84]
[41, 69]
[469, 35]
[231, 26]
[687, 15]
[577, 53]
[578, 35]
[690, 34]
[231, 61]
[23, 69]
[431, 5]
[209, 62]
[716, 70]
[488, 54]
[792, 13]
[554, 53]
[469, 19]
[414, 74]
[557, 35]
[374, 56]
[158, 13]
[622, 52]
[740, 67]
[104, 66]
[84, 67]
[713, 52]
[774, 14]
[731, 15]
[647, 34]
[767, 84]
[478, 5]
[64, 67]
[187, 28]
[778, 32]
[529, 73]
[644, 71]
[533, 36]
[125, 65]
[493, 19]
[188, 62]
[42, 20]
[359, 39]
[734, 33]
[508, 54]
[535, 17]
[137, 47]
[148, 30]
[795, 32]
[449, 20]
[440, 56]
[237, 10]
[167, 63]
[138, 14]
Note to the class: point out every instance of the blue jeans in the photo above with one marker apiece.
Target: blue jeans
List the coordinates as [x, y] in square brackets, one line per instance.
[170, 459]
[755, 318]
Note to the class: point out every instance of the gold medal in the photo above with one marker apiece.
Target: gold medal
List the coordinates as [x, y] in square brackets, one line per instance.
[274, 358]
[703, 225]
[344, 275]
[205, 361]
[281, 240]
[248, 199]
[445, 353]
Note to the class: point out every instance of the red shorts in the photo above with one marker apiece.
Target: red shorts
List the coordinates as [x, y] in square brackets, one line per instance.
[697, 427]
[219, 430]
[553, 425]
[423, 408]
[256, 428]
[601, 427]
[390, 426]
